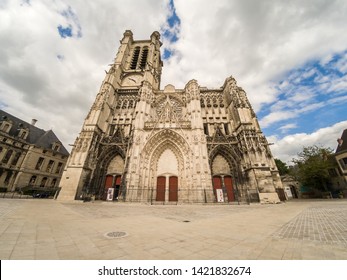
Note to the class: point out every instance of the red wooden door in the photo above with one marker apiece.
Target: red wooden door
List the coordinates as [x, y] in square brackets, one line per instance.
[118, 180]
[117, 183]
[108, 184]
[217, 184]
[161, 188]
[173, 188]
[229, 188]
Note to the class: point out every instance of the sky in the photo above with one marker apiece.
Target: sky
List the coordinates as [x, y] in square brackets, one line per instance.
[289, 56]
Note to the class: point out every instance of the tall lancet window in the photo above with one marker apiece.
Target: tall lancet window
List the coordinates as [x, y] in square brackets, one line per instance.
[135, 58]
[144, 58]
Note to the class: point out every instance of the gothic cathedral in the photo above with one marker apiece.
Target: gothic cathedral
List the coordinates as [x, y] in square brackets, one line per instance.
[140, 143]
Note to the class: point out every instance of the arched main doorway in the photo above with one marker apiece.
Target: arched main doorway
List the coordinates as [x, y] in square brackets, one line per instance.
[113, 179]
[222, 180]
[167, 181]
[166, 154]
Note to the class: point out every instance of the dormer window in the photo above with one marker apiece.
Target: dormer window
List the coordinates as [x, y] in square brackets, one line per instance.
[5, 125]
[23, 133]
[56, 146]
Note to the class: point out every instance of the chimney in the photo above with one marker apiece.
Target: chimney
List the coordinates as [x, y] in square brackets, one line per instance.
[340, 141]
[33, 121]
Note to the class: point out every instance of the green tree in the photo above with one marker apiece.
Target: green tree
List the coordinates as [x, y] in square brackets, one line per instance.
[312, 165]
[282, 167]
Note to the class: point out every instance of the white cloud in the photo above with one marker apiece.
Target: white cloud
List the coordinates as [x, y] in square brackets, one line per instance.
[55, 80]
[342, 64]
[287, 147]
[276, 117]
[287, 127]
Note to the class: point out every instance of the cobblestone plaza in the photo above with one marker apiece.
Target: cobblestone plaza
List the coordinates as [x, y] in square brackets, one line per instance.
[48, 229]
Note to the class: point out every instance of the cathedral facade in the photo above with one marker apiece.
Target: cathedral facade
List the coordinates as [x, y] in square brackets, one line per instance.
[146, 144]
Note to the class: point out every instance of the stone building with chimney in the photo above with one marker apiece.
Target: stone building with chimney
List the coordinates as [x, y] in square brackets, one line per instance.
[30, 157]
[191, 145]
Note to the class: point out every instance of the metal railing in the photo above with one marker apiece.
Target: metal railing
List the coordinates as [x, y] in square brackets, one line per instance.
[181, 196]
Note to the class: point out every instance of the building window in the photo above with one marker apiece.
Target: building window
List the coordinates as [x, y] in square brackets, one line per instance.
[39, 163]
[136, 55]
[7, 156]
[8, 177]
[43, 182]
[32, 180]
[16, 158]
[50, 166]
[111, 130]
[23, 134]
[58, 168]
[6, 127]
[206, 128]
[226, 129]
[54, 181]
[56, 146]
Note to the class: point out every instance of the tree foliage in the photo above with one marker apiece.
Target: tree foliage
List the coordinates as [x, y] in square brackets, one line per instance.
[282, 167]
[312, 165]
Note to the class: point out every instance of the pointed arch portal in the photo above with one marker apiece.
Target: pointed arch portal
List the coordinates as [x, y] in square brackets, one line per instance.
[167, 181]
[222, 177]
[113, 178]
[166, 152]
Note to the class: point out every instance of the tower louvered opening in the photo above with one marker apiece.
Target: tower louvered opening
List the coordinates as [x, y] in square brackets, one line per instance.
[144, 58]
[135, 58]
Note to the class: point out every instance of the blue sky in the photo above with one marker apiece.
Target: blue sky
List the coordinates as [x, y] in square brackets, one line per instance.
[314, 96]
[170, 30]
[65, 31]
[72, 28]
[290, 57]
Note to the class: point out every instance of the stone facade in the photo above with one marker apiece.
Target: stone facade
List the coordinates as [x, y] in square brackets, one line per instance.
[339, 173]
[30, 157]
[143, 143]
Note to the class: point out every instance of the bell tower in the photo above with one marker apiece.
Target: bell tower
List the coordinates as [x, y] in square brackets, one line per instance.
[137, 63]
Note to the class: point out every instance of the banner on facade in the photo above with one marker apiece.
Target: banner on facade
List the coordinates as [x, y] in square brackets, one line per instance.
[220, 197]
[110, 193]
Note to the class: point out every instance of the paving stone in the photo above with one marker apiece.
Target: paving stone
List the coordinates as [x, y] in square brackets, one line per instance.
[48, 229]
[322, 224]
